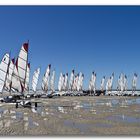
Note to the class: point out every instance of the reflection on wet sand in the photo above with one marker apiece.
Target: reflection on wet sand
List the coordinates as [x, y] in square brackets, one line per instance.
[75, 116]
[123, 118]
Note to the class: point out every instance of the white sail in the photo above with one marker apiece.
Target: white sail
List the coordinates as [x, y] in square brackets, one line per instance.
[27, 80]
[122, 82]
[75, 84]
[119, 84]
[35, 79]
[111, 81]
[102, 83]
[60, 82]
[80, 82]
[125, 83]
[71, 80]
[9, 75]
[92, 84]
[89, 87]
[107, 85]
[46, 78]
[22, 64]
[20, 69]
[134, 82]
[16, 84]
[52, 82]
[66, 82]
[3, 70]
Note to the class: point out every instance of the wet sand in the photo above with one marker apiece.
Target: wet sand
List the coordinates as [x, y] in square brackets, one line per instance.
[71, 116]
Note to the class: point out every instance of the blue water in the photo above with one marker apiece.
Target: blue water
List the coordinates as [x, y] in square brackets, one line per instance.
[124, 118]
[83, 127]
[19, 116]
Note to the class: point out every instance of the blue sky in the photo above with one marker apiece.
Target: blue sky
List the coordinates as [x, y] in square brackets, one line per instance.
[84, 38]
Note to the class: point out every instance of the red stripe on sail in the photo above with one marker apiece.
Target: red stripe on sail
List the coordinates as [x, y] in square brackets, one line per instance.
[13, 60]
[17, 63]
[25, 45]
[49, 66]
[29, 65]
[72, 71]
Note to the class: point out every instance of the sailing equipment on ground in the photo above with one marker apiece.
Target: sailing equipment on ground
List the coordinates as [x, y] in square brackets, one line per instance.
[4, 64]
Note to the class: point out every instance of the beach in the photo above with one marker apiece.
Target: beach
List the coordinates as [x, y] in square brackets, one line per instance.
[73, 116]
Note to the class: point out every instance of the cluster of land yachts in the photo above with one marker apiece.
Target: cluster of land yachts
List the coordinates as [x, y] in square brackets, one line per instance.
[14, 79]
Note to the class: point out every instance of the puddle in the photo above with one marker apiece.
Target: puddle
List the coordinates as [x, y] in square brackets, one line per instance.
[1, 112]
[103, 125]
[132, 101]
[124, 118]
[84, 128]
[115, 102]
[38, 110]
[29, 123]
[86, 106]
[19, 116]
